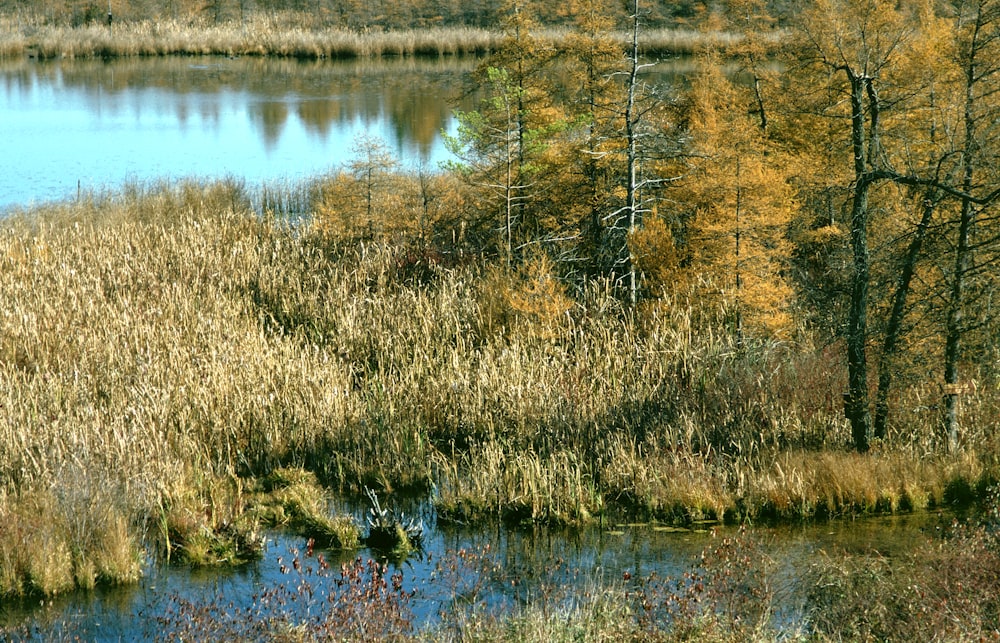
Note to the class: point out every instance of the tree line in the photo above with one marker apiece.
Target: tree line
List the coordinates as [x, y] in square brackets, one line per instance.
[352, 14]
[830, 175]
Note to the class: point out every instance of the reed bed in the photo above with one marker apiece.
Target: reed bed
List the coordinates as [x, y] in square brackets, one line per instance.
[665, 42]
[257, 36]
[268, 35]
[163, 347]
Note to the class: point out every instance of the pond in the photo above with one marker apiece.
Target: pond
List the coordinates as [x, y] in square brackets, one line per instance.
[71, 125]
[80, 125]
[542, 563]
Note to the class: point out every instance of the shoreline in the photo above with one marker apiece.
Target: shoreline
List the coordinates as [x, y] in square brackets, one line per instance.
[258, 36]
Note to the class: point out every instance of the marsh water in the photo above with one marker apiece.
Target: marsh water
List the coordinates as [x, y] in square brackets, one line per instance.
[525, 564]
[537, 563]
[82, 125]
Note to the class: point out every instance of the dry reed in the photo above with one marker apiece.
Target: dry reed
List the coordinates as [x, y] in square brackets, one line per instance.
[292, 35]
[167, 342]
[257, 36]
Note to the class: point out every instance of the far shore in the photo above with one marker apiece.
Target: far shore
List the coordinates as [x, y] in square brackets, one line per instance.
[263, 36]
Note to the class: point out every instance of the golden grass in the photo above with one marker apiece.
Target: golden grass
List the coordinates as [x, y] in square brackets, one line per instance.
[259, 35]
[520, 487]
[162, 347]
[291, 35]
[292, 498]
[53, 542]
[670, 485]
[798, 484]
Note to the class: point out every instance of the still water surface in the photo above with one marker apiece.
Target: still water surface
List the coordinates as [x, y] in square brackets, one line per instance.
[69, 125]
[530, 562]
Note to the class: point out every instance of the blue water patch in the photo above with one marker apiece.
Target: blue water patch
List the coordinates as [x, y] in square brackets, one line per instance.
[93, 125]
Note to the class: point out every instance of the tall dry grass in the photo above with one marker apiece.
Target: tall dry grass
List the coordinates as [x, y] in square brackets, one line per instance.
[290, 34]
[167, 338]
[258, 35]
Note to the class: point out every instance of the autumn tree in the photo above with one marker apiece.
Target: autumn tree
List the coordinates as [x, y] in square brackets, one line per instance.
[593, 57]
[927, 204]
[371, 164]
[978, 60]
[366, 197]
[644, 141]
[742, 203]
[849, 49]
[527, 60]
[508, 147]
[489, 146]
[755, 26]
[919, 86]
[924, 60]
[948, 169]
[633, 119]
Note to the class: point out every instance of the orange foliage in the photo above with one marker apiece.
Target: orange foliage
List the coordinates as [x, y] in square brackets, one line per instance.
[539, 298]
[655, 255]
[742, 204]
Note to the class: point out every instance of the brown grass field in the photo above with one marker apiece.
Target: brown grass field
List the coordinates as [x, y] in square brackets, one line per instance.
[164, 349]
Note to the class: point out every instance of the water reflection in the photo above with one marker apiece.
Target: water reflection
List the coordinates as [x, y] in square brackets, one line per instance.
[92, 124]
[529, 561]
[96, 123]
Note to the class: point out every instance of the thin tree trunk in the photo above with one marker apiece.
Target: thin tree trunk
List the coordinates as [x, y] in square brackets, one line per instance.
[595, 228]
[759, 96]
[737, 266]
[632, 190]
[953, 326]
[509, 193]
[953, 323]
[895, 325]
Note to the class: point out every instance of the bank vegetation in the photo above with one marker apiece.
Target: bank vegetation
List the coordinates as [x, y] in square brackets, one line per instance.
[618, 300]
[68, 33]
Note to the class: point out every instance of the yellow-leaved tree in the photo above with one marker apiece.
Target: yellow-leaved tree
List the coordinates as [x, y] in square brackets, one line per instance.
[741, 205]
[538, 297]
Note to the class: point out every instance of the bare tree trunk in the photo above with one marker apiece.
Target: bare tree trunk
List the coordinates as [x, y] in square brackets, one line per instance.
[980, 38]
[895, 325]
[856, 400]
[737, 266]
[953, 326]
[509, 195]
[632, 156]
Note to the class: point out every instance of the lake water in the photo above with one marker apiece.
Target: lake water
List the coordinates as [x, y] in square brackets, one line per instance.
[69, 125]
